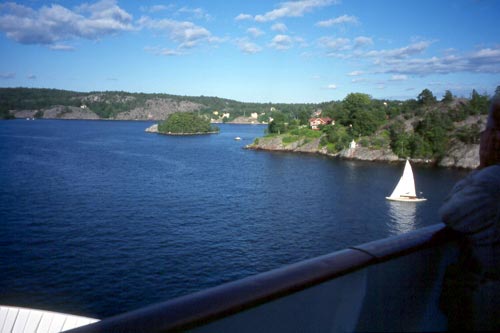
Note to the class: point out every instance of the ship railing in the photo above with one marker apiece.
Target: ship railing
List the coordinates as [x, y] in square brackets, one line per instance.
[393, 284]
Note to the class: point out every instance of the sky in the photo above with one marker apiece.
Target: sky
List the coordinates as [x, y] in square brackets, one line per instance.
[303, 51]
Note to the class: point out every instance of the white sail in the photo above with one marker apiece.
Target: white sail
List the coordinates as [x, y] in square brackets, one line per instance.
[405, 189]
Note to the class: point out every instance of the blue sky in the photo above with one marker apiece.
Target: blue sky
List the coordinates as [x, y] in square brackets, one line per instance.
[253, 51]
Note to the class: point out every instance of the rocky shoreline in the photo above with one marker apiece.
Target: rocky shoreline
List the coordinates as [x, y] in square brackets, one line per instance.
[152, 129]
[458, 156]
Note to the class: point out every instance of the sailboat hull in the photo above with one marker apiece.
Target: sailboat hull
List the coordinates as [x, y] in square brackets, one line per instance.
[403, 199]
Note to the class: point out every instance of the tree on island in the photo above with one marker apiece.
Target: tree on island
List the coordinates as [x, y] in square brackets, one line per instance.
[186, 123]
[448, 97]
[426, 98]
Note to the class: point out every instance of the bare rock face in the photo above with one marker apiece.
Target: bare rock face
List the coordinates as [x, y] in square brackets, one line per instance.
[313, 146]
[107, 98]
[367, 154]
[68, 112]
[276, 144]
[309, 146]
[57, 112]
[461, 155]
[244, 120]
[158, 109]
[152, 129]
[23, 113]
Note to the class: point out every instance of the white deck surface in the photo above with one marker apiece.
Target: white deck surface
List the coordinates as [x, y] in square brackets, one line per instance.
[14, 319]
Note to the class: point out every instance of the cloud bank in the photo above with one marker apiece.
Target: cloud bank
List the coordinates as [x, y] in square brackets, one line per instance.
[186, 34]
[55, 23]
[288, 9]
[344, 19]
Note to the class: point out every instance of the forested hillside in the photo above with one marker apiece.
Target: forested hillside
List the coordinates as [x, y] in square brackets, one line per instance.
[24, 102]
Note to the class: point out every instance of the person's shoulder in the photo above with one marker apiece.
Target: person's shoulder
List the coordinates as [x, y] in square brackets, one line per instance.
[473, 201]
[489, 175]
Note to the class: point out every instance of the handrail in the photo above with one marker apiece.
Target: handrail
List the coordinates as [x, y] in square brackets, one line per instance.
[208, 305]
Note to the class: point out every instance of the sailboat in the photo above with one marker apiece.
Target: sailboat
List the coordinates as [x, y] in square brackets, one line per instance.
[405, 189]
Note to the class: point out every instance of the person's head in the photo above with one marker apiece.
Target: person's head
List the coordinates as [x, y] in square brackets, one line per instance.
[489, 149]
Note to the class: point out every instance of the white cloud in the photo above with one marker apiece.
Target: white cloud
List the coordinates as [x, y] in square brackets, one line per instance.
[402, 52]
[399, 77]
[301, 41]
[242, 17]
[61, 47]
[248, 47]
[6, 76]
[344, 19]
[197, 13]
[307, 55]
[335, 44]
[281, 42]
[156, 8]
[49, 25]
[356, 73]
[362, 41]
[339, 55]
[279, 27]
[332, 86]
[187, 34]
[255, 32]
[162, 51]
[293, 9]
[485, 60]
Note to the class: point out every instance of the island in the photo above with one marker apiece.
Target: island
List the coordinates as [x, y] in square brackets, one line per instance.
[184, 123]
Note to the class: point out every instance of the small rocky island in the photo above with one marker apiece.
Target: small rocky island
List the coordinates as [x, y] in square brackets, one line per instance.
[184, 123]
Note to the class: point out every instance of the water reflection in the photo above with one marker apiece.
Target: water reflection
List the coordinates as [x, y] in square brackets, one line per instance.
[402, 217]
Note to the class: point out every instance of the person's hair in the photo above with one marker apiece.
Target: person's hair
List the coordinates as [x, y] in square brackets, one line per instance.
[489, 149]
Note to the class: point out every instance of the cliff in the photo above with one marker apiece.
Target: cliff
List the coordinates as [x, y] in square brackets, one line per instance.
[158, 109]
[57, 112]
[461, 155]
[368, 154]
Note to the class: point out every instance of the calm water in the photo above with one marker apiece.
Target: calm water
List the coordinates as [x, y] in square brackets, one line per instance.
[100, 217]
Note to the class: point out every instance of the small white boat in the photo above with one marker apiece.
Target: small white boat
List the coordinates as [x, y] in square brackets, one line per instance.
[237, 138]
[405, 189]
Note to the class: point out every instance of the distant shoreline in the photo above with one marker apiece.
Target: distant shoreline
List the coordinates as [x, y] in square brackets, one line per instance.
[154, 129]
[187, 134]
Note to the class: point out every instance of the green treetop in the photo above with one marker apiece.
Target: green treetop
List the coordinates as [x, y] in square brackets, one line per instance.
[186, 123]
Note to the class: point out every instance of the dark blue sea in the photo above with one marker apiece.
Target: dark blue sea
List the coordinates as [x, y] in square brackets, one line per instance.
[99, 217]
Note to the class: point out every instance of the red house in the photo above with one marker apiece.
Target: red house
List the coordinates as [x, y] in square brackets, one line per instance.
[316, 122]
